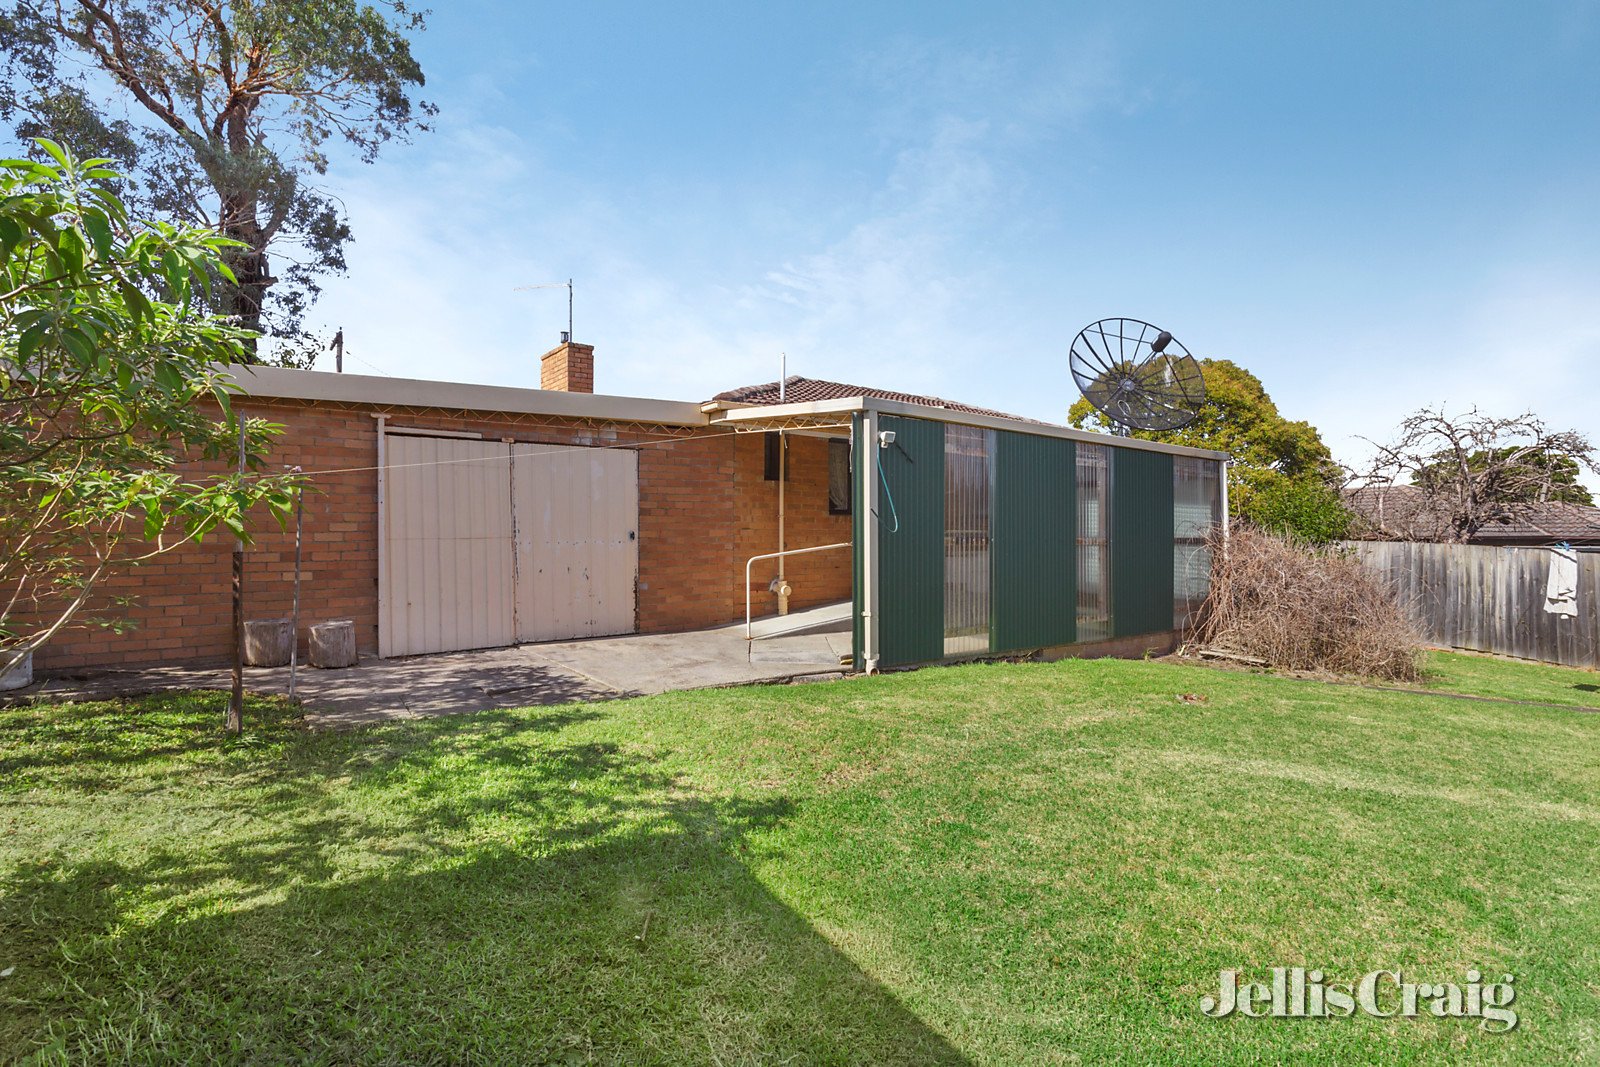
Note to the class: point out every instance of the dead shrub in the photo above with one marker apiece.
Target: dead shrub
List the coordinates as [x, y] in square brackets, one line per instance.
[1303, 607]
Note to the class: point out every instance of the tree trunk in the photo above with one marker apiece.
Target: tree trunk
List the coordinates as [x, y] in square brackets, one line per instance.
[268, 642]
[235, 723]
[244, 299]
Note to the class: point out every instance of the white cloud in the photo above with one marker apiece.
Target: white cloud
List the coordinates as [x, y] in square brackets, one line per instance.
[892, 296]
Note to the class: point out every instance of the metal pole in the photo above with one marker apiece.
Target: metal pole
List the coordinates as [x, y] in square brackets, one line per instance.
[867, 463]
[236, 700]
[1226, 523]
[338, 350]
[294, 625]
[783, 474]
[570, 335]
[383, 535]
[748, 617]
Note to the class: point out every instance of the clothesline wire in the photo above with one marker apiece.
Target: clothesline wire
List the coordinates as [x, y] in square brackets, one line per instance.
[551, 449]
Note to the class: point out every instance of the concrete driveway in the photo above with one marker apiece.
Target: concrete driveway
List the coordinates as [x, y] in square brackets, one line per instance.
[560, 672]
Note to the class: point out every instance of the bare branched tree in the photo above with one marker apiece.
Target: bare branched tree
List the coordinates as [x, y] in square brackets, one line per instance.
[1445, 477]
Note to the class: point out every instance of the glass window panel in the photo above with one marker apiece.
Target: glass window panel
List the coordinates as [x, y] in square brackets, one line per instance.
[968, 484]
[1094, 545]
[838, 477]
[1196, 511]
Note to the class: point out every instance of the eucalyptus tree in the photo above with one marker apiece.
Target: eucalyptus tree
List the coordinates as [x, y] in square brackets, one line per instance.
[223, 114]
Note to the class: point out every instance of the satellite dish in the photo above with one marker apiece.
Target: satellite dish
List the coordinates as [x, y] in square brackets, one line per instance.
[1137, 375]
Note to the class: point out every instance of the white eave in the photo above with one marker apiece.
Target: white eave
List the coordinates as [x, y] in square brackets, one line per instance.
[283, 383]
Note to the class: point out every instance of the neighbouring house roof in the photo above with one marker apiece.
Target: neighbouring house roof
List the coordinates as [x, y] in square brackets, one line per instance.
[1400, 513]
[798, 390]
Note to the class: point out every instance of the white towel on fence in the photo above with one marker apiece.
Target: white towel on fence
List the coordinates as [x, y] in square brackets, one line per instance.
[1561, 596]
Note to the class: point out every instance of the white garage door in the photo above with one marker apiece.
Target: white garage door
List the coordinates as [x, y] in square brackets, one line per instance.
[577, 517]
[487, 544]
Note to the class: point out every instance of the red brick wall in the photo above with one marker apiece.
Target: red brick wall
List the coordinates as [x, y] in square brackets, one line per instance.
[568, 368]
[704, 508]
[816, 578]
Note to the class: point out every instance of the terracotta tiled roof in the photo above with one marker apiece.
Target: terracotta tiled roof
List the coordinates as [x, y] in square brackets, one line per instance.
[798, 390]
[1398, 513]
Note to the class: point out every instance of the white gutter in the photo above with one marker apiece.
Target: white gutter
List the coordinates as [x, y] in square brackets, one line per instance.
[766, 412]
[1039, 429]
[777, 412]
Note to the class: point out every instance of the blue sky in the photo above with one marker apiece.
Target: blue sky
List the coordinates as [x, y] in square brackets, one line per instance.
[1372, 206]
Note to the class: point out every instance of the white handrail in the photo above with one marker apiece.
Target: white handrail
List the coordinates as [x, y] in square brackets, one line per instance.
[775, 555]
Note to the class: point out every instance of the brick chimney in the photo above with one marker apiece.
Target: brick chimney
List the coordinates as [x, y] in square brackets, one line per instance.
[568, 368]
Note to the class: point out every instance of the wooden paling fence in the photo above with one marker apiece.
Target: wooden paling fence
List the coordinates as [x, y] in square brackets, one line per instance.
[1491, 599]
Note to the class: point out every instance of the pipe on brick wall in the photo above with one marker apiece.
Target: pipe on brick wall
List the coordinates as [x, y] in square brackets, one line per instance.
[865, 450]
[782, 586]
[383, 534]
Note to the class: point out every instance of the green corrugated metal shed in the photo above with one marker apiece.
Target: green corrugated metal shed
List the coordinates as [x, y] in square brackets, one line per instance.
[911, 541]
[1033, 561]
[1141, 542]
[1033, 551]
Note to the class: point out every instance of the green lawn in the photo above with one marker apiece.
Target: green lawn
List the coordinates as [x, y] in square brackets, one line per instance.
[1488, 676]
[987, 864]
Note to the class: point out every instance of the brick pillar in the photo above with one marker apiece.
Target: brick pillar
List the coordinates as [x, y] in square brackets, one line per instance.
[568, 368]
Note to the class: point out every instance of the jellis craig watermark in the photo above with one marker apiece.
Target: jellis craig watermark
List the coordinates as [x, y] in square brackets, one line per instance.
[1298, 993]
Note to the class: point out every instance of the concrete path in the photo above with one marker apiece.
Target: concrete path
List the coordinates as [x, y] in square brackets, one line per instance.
[635, 664]
[559, 672]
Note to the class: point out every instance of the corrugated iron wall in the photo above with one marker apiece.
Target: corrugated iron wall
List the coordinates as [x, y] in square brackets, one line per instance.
[911, 541]
[1141, 541]
[1034, 545]
[929, 538]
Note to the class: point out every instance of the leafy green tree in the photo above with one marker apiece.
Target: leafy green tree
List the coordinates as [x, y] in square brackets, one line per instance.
[233, 103]
[1306, 508]
[1279, 465]
[112, 382]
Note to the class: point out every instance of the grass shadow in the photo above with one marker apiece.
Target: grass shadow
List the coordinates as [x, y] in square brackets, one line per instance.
[491, 892]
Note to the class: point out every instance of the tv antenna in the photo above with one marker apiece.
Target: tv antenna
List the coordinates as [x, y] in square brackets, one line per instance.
[1137, 375]
[567, 285]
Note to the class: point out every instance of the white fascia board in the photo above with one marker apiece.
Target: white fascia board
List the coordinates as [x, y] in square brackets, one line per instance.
[1040, 429]
[774, 412]
[285, 383]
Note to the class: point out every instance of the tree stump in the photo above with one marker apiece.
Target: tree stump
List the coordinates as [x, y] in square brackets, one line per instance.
[21, 673]
[268, 642]
[333, 644]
